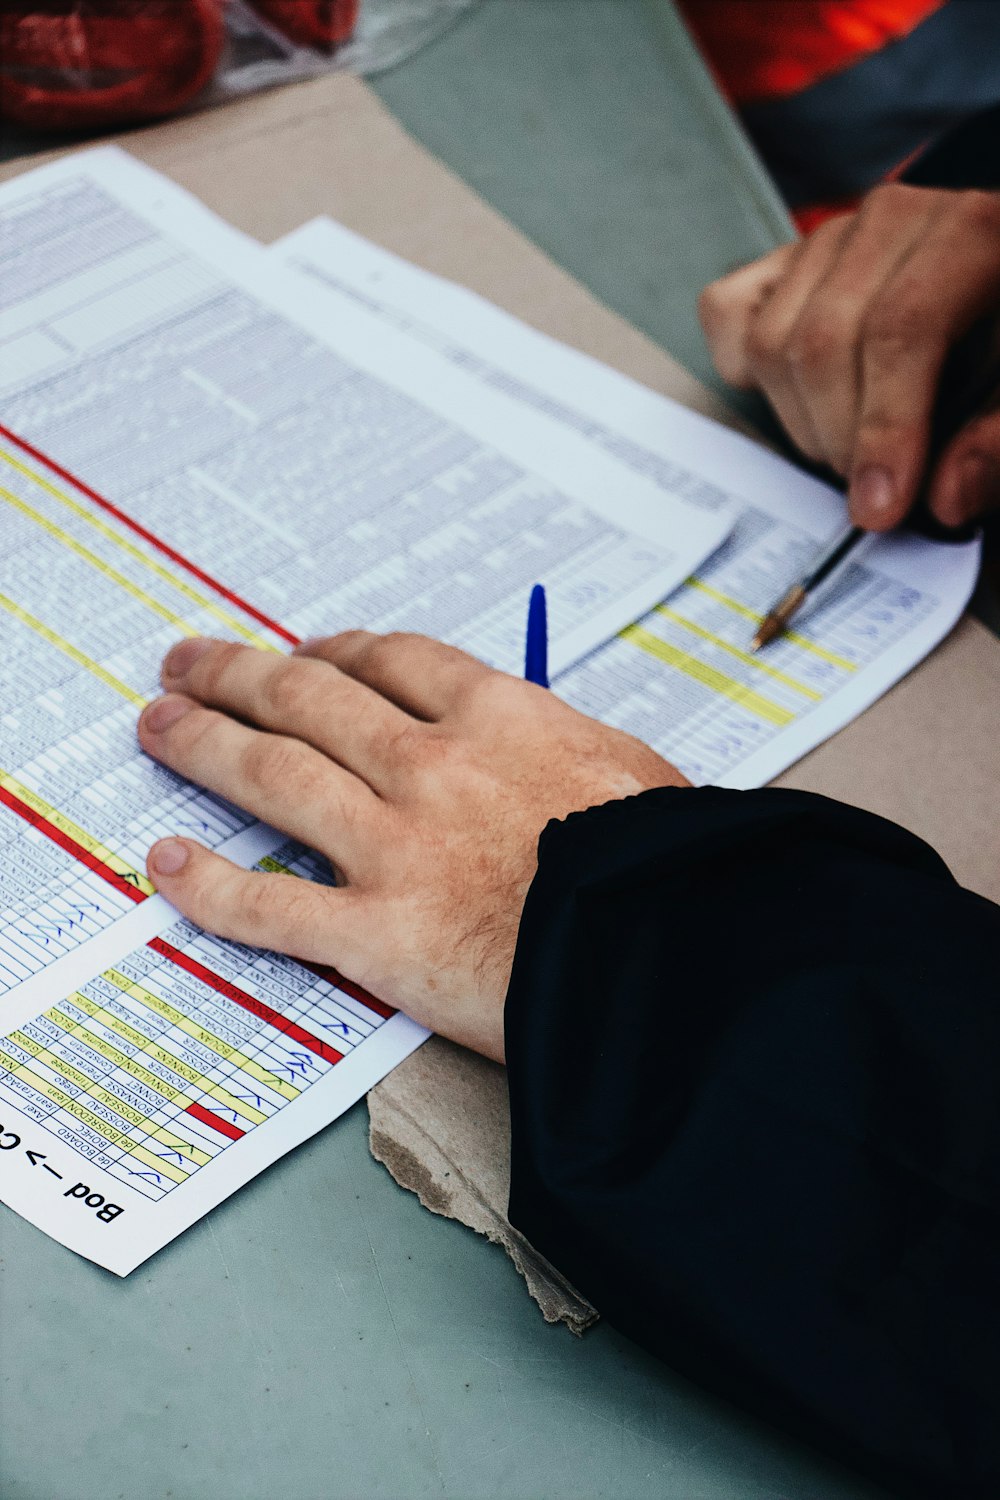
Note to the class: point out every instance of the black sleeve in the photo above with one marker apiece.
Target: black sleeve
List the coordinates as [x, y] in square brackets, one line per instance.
[753, 1045]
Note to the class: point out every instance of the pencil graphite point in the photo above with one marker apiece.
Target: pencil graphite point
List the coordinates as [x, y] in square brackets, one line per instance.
[768, 628]
[776, 620]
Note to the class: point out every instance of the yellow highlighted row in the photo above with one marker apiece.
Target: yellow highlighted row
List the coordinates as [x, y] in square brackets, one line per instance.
[134, 1117]
[200, 1033]
[710, 677]
[73, 652]
[126, 1064]
[85, 554]
[744, 656]
[752, 614]
[76, 833]
[203, 601]
[159, 1054]
[95, 1122]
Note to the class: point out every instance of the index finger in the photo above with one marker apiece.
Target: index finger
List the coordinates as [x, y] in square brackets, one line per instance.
[293, 696]
[727, 308]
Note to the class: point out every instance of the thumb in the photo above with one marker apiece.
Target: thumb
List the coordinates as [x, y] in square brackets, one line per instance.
[282, 912]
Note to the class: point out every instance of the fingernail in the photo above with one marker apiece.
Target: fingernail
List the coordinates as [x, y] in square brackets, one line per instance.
[159, 715]
[182, 657]
[873, 494]
[167, 857]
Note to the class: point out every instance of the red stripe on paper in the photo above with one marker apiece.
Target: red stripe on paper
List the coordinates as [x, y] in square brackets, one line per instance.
[248, 1002]
[150, 537]
[216, 1121]
[39, 821]
[323, 971]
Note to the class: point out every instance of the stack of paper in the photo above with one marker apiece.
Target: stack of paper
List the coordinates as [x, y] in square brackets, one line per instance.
[203, 437]
[682, 678]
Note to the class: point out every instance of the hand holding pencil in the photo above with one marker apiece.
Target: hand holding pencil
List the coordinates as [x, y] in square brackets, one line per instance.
[872, 339]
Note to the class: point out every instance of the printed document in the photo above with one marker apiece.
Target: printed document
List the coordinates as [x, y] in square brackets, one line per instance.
[203, 437]
[682, 678]
[187, 448]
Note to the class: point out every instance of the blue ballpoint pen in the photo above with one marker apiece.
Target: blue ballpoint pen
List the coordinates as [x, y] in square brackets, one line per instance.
[536, 645]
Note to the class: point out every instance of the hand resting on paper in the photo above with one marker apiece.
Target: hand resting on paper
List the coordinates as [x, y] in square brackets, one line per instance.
[727, 1081]
[424, 777]
[846, 332]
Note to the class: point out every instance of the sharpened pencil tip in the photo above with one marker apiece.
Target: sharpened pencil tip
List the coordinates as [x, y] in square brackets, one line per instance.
[775, 622]
[771, 626]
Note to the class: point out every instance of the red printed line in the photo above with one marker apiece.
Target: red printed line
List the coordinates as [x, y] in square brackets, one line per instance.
[70, 845]
[150, 537]
[323, 971]
[248, 1002]
[216, 1121]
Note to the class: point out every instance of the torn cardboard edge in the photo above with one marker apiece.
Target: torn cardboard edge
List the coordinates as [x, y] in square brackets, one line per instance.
[440, 1124]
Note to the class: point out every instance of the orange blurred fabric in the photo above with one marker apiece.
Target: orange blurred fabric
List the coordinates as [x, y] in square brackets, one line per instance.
[764, 49]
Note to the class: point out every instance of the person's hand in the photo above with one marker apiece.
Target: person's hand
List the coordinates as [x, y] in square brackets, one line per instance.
[846, 331]
[423, 776]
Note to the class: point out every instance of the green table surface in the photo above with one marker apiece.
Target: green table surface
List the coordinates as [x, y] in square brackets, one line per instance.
[321, 1336]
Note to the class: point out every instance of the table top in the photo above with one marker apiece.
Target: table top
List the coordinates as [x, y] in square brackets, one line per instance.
[321, 1336]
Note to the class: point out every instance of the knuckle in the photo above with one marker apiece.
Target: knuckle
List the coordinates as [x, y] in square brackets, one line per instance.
[270, 762]
[882, 431]
[885, 194]
[980, 211]
[345, 642]
[198, 892]
[211, 670]
[712, 302]
[271, 908]
[764, 343]
[259, 897]
[833, 228]
[493, 693]
[885, 432]
[893, 199]
[382, 650]
[202, 888]
[412, 744]
[288, 688]
[896, 324]
[191, 732]
[374, 652]
[268, 897]
[816, 345]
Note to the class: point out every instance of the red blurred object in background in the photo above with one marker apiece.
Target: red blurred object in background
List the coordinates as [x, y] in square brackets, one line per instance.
[76, 63]
[79, 64]
[323, 24]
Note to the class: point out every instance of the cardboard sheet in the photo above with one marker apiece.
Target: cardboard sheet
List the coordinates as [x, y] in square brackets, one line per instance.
[926, 755]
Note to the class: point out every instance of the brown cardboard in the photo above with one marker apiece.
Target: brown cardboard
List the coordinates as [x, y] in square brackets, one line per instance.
[441, 1124]
[927, 755]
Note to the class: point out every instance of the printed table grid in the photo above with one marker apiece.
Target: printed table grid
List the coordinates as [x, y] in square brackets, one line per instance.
[155, 1067]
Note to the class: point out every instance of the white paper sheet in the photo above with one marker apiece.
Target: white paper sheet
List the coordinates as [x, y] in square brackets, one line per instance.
[682, 678]
[250, 469]
[154, 351]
